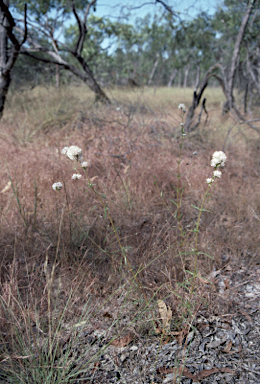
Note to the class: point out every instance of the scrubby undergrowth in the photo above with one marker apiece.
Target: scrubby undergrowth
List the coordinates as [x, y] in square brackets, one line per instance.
[132, 148]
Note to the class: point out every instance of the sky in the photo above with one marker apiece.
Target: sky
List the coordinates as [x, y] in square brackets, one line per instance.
[116, 9]
[187, 8]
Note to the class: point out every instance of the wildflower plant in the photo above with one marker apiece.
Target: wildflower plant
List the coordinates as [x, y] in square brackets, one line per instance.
[188, 244]
[57, 186]
[180, 190]
[74, 153]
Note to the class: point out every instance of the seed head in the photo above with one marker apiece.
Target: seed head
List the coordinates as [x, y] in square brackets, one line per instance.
[76, 176]
[57, 186]
[182, 106]
[74, 153]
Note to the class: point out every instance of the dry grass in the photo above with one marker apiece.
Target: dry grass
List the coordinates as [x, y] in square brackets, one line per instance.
[132, 147]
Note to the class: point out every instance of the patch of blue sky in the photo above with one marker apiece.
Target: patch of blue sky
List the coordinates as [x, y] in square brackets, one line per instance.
[129, 10]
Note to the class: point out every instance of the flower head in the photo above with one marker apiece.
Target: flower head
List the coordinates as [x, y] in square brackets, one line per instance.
[209, 180]
[182, 106]
[74, 153]
[217, 173]
[84, 164]
[76, 176]
[57, 186]
[218, 159]
[64, 150]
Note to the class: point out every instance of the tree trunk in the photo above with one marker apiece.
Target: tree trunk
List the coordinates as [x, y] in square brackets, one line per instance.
[252, 74]
[186, 74]
[8, 55]
[92, 83]
[197, 97]
[4, 85]
[197, 81]
[246, 96]
[86, 75]
[57, 77]
[4, 77]
[233, 67]
[154, 68]
[172, 77]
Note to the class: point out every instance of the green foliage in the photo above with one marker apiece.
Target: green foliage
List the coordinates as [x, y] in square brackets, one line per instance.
[117, 51]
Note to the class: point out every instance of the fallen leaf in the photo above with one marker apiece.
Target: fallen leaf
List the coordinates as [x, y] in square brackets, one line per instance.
[238, 350]
[178, 371]
[93, 178]
[215, 344]
[208, 372]
[249, 318]
[126, 168]
[202, 280]
[228, 347]
[7, 187]
[165, 313]
[123, 341]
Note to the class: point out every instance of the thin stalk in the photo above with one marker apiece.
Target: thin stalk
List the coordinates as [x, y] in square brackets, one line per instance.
[196, 242]
[179, 196]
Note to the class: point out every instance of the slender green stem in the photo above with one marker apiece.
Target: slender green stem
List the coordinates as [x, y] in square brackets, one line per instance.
[196, 243]
[179, 196]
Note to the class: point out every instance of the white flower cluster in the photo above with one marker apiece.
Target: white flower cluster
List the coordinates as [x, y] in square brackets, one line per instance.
[57, 186]
[217, 174]
[218, 160]
[73, 153]
[76, 176]
[64, 150]
[182, 106]
[84, 164]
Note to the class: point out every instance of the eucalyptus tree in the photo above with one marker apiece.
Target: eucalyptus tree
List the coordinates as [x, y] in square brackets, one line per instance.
[8, 55]
[46, 41]
[228, 60]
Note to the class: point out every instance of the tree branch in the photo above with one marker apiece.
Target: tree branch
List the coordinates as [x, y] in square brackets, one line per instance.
[167, 7]
[88, 9]
[9, 29]
[81, 25]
